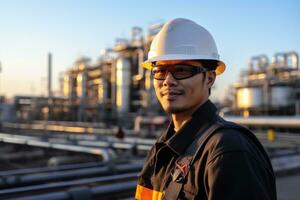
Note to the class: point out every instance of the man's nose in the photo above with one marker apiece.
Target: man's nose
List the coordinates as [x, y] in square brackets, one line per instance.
[170, 80]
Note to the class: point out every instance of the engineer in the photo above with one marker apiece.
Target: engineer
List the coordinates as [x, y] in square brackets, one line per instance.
[200, 155]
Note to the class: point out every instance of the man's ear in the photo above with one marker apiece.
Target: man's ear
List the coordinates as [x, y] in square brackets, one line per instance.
[211, 78]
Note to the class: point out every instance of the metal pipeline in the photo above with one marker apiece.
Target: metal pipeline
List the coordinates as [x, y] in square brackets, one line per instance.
[264, 61]
[106, 154]
[258, 62]
[141, 70]
[37, 178]
[140, 61]
[137, 36]
[280, 59]
[280, 122]
[113, 82]
[47, 169]
[106, 186]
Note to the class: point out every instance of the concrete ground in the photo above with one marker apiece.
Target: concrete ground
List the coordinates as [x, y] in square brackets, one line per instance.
[288, 187]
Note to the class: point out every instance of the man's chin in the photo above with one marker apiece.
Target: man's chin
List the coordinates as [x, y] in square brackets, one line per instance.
[174, 110]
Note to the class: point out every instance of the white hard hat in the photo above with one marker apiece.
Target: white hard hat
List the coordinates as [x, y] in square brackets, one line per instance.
[183, 39]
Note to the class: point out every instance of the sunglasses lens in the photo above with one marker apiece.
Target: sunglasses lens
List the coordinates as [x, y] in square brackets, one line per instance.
[179, 71]
[183, 71]
[159, 73]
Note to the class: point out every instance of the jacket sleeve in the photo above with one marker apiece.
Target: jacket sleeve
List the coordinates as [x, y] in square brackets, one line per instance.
[237, 175]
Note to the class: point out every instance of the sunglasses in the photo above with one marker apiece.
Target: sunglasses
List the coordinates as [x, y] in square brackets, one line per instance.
[178, 71]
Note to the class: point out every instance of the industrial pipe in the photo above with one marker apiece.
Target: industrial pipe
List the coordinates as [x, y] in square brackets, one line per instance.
[279, 122]
[120, 186]
[37, 178]
[260, 62]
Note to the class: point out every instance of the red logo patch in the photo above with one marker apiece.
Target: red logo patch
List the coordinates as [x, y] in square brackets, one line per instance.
[182, 163]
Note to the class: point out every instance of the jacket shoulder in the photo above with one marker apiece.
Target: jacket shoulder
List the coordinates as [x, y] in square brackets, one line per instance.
[233, 138]
[228, 139]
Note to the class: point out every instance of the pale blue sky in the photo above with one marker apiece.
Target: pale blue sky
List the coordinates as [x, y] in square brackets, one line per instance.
[71, 28]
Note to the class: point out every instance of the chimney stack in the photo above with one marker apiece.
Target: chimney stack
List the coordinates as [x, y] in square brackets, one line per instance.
[49, 75]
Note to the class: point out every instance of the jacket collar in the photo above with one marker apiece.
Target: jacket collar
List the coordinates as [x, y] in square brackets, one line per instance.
[201, 118]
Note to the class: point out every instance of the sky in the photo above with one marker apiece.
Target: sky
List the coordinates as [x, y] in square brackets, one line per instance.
[30, 29]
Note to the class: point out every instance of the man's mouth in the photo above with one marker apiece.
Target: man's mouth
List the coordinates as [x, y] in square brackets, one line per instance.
[171, 94]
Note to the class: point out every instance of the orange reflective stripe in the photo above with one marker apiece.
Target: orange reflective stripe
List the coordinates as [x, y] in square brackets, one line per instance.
[143, 193]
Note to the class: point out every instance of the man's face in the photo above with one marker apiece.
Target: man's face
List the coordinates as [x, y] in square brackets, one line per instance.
[185, 95]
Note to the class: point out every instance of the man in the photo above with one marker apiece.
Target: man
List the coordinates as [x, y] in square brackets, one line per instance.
[200, 156]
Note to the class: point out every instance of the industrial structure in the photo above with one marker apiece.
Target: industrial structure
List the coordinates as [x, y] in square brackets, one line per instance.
[268, 88]
[67, 146]
[116, 91]
[114, 87]
[111, 90]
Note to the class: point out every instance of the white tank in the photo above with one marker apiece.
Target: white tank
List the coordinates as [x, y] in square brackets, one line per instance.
[280, 96]
[101, 91]
[67, 86]
[249, 97]
[123, 80]
[81, 85]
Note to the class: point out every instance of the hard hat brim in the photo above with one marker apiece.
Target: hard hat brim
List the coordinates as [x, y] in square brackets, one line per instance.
[148, 63]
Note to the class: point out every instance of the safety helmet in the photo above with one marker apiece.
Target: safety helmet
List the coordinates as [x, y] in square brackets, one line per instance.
[183, 39]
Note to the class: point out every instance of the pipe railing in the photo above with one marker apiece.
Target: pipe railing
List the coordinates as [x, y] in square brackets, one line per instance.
[106, 154]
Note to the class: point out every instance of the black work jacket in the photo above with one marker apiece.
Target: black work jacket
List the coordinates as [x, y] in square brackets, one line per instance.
[230, 167]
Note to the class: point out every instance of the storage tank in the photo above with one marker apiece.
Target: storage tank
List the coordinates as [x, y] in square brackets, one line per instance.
[281, 96]
[249, 97]
[81, 85]
[104, 86]
[101, 89]
[67, 86]
[123, 81]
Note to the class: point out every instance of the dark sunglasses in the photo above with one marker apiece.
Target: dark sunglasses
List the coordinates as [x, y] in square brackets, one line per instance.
[178, 71]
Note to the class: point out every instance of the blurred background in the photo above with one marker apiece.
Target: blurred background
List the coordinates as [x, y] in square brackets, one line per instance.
[78, 114]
